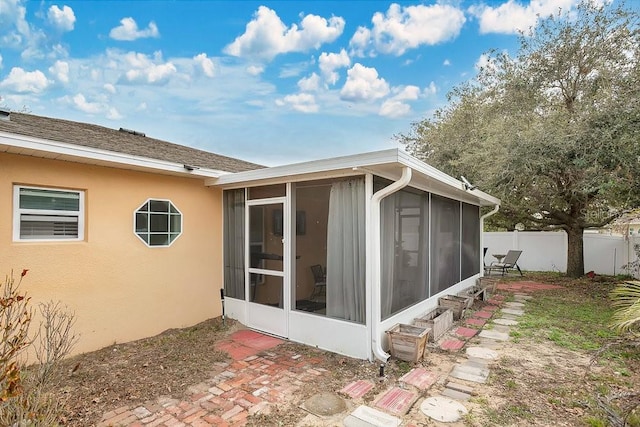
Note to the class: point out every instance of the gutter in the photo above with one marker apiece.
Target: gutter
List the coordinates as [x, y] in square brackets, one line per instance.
[376, 200]
[495, 210]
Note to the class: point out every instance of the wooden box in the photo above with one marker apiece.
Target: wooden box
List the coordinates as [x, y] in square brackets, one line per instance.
[439, 320]
[488, 283]
[475, 292]
[407, 342]
[457, 304]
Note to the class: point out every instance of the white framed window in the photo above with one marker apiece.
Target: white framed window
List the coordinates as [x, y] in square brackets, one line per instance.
[45, 214]
[157, 222]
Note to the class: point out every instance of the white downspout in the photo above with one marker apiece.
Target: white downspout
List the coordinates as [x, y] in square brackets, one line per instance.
[376, 199]
[482, 218]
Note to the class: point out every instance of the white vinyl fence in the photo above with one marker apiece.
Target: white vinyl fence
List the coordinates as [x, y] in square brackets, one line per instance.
[547, 251]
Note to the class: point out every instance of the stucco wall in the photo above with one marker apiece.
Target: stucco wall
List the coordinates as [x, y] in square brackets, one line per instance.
[119, 288]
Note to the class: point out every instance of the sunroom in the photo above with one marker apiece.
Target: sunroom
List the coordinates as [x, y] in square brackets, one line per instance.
[332, 253]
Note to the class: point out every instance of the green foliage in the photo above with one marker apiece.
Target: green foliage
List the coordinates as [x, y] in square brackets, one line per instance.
[626, 299]
[552, 131]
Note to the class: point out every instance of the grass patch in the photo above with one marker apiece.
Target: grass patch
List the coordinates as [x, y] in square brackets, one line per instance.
[575, 318]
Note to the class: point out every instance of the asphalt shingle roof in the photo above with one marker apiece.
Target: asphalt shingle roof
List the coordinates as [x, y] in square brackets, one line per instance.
[99, 137]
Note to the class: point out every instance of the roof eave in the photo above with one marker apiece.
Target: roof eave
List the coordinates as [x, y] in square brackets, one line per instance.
[359, 164]
[37, 147]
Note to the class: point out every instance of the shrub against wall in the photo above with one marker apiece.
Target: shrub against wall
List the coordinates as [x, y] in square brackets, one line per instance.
[25, 391]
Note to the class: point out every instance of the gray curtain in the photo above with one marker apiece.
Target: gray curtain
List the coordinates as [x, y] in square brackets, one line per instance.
[346, 251]
[234, 241]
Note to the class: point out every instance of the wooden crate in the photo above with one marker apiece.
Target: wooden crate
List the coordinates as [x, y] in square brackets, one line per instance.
[474, 292]
[457, 304]
[488, 283]
[439, 320]
[407, 342]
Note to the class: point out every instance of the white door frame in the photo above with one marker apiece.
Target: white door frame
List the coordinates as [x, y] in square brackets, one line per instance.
[273, 320]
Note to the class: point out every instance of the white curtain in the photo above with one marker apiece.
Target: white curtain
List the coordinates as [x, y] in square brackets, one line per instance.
[346, 251]
[234, 243]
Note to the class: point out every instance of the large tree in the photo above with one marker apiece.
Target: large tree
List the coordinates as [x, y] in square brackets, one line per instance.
[554, 131]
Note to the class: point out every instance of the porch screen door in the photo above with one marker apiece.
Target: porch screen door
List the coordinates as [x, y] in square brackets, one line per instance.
[267, 263]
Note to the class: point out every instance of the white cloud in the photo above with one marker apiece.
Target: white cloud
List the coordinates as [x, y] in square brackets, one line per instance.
[61, 19]
[512, 17]
[81, 103]
[430, 90]
[205, 64]
[309, 84]
[363, 85]
[109, 88]
[13, 23]
[0, 61]
[484, 61]
[403, 28]
[329, 62]
[396, 105]
[360, 41]
[266, 36]
[142, 106]
[114, 114]
[255, 70]
[60, 70]
[128, 30]
[145, 70]
[446, 63]
[303, 102]
[23, 81]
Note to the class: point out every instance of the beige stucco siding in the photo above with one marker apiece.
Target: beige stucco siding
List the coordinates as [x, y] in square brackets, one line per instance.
[119, 288]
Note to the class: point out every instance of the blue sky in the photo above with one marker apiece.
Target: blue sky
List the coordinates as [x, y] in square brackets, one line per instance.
[271, 82]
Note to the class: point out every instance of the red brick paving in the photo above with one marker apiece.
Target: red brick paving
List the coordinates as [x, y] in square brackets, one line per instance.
[396, 401]
[452, 344]
[420, 378]
[526, 286]
[482, 314]
[475, 322]
[357, 389]
[465, 332]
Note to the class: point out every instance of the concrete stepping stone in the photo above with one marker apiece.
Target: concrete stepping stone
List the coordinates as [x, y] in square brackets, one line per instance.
[420, 378]
[455, 394]
[365, 416]
[505, 322]
[357, 389]
[490, 308]
[443, 409]
[482, 353]
[470, 373]
[494, 335]
[396, 400]
[512, 311]
[514, 305]
[502, 328]
[325, 404]
[460, 387]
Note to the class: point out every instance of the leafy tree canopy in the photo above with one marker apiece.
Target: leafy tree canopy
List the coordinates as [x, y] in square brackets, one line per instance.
[554, 131]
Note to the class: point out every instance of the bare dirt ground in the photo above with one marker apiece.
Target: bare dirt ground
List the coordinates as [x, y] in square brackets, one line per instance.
[534, 382]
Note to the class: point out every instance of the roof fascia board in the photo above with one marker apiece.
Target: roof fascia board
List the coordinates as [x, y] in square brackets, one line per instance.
[426, 169]
[95, 155]
[360, 162]
[306, 168]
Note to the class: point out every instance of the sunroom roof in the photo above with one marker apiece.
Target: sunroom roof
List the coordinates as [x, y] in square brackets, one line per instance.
[388, 164]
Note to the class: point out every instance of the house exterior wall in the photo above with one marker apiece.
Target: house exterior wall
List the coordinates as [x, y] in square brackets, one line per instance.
[119, 288]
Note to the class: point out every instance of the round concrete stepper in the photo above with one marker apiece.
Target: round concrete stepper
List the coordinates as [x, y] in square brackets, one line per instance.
[482, 353]
[443, 409]
[324, 404]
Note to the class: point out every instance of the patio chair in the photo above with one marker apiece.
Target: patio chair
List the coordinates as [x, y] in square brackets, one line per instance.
[509, 262]
[320, 279]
